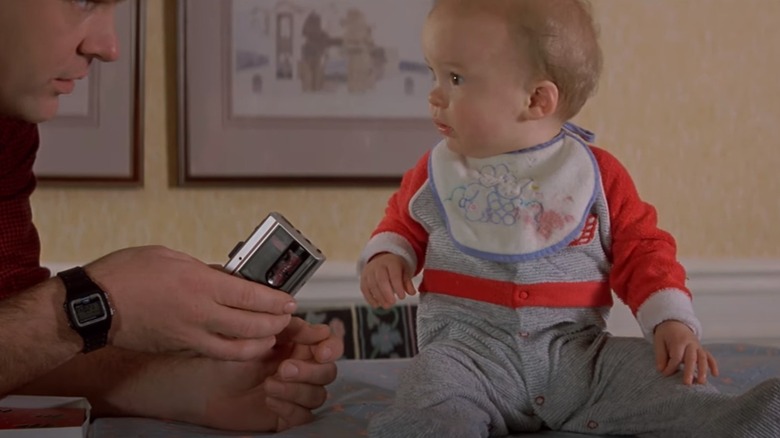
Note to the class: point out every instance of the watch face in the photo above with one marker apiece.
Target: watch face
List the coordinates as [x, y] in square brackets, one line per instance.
[88, 310]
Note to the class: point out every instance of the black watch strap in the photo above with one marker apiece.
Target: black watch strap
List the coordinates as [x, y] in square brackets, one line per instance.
[87, 308]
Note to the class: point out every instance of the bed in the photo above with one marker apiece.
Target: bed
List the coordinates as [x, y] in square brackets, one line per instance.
[365, 386]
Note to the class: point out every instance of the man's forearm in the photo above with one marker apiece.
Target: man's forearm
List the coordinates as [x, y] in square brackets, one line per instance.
[116, 382]
[34, 335]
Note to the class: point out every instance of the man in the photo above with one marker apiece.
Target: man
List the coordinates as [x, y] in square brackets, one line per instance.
[186, 341]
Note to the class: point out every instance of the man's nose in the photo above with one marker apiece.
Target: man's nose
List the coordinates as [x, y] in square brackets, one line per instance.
[101, 41]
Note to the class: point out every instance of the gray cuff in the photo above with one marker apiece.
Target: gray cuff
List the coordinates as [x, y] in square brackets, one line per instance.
[665, 305]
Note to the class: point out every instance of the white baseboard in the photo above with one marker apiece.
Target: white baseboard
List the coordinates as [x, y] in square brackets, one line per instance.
[736, 300]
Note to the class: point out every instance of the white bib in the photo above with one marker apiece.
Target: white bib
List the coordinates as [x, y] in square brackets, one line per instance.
[515, 206]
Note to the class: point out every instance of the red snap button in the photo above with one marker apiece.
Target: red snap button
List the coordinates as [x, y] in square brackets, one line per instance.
[592, 424]
[524, 295]
[539, 400]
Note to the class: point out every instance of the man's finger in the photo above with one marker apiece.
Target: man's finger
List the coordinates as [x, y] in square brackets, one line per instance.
[222, 348]
[301, 394]
[290, 414]
[305, 371]
[247, 295]
[329, 350]
[241, 324]
[301, 332]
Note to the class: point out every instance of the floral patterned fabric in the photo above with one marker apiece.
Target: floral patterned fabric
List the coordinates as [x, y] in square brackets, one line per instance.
[370, 333]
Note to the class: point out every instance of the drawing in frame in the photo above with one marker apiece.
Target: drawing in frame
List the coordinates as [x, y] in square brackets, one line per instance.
[301, 90]
[96, 137]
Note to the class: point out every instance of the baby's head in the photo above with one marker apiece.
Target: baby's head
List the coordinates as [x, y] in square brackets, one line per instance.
[562, 41]
[502, 61]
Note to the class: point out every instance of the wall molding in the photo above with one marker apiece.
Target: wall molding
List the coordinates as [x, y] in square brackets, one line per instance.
[736, 300]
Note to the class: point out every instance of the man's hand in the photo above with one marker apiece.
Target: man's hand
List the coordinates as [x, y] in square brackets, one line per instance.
[274, 392]
[167, 301]
[297, 387]
[676, 344]
[385, 278]
[279, 391]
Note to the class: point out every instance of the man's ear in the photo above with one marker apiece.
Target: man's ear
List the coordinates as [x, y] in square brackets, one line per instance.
[543, 100]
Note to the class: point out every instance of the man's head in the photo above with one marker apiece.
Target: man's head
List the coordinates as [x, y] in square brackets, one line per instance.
[46, 45]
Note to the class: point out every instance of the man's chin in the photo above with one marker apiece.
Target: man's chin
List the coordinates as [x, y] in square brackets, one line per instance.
[40, 110]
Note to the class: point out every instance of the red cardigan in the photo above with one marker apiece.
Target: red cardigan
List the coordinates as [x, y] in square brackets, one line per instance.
[20, 246]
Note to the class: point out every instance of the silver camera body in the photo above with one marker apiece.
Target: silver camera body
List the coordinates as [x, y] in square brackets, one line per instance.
[276, 254]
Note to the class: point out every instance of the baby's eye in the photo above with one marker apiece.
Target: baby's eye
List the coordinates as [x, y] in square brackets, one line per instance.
[455, 79]
[433, 74]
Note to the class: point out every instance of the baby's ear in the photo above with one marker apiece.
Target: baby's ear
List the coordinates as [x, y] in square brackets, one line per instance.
[543, 100]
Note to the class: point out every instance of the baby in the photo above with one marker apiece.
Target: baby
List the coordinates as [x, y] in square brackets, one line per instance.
[522, 229]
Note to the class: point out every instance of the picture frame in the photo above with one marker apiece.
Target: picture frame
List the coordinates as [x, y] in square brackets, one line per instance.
[97, 136]
[327, 127]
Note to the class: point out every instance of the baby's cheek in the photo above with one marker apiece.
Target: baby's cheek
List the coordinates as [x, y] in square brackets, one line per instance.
[469, 120]
[486, 127]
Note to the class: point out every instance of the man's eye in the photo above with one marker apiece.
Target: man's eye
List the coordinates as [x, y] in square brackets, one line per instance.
[84, 4]
[455, 79]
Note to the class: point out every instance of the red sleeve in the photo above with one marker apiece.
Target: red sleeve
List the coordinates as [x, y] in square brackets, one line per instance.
[19, 243]
[397, 217]
[644, 257]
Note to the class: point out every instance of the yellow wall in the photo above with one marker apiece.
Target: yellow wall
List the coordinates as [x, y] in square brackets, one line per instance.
[688, 101]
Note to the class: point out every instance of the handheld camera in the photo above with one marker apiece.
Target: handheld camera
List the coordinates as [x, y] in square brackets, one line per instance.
[276, 254]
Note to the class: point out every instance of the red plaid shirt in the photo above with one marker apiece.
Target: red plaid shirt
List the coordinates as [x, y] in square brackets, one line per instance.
[20, 247]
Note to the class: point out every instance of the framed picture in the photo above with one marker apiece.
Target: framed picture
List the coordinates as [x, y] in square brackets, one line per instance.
[97, 134]
[302, 90]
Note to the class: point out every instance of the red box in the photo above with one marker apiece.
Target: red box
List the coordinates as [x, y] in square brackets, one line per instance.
[23, 416]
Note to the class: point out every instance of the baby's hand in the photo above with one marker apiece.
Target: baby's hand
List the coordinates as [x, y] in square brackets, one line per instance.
[384, 278]
[675, 344]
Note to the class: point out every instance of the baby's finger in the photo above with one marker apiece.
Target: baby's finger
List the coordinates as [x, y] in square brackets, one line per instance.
[690, 357]
[396, 274]
[368, 294]
[373, 300]
[671, 367]
[365, 288]
[409, 286]
[386, 295]
[713, 364]
[383, 285]
[661, 356]
[703, 363]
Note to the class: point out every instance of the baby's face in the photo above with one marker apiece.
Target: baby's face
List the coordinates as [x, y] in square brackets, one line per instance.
[477, 97]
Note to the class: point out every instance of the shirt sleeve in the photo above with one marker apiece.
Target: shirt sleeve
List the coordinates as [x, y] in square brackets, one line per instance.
[646, 274]
[398, 232]
[19, 242]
